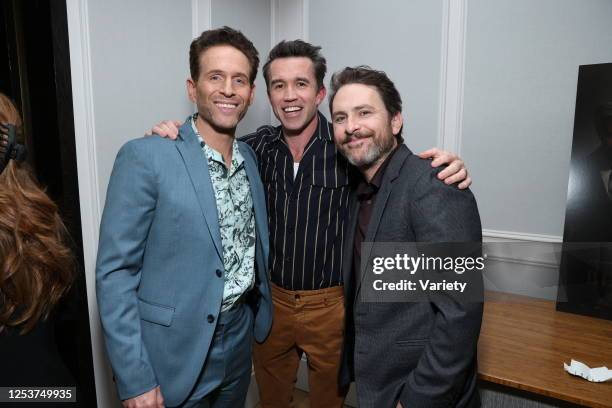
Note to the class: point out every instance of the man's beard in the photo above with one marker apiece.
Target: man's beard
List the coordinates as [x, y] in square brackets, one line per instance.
[378, 150]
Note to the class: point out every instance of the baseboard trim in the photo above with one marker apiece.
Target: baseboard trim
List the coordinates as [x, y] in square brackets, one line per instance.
[520, 236]
[252, 398]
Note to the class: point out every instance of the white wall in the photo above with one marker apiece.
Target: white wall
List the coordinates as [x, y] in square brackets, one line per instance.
[139, 61]
[139, 64]
[400, 37]
[253, 19]
[522, 59]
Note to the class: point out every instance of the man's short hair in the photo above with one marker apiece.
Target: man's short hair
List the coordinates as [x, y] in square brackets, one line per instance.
[365, 75]
[297, 48]
[222, 36]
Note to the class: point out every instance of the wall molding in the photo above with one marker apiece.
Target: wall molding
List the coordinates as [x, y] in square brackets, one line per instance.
[523, 261]
[534, 250]
[89, 189]
[201, 16]
[288, 20]
[452, 75]
[306, 20]
[520, 236]
[273, 26]
[274, 5]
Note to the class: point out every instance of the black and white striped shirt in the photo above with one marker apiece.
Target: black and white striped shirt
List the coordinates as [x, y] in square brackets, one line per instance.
[306, 215]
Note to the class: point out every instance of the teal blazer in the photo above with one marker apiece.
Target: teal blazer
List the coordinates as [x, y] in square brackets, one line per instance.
[159, 272]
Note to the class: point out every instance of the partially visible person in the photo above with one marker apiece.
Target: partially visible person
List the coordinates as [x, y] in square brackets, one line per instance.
[183, 256]
[401, 354]
[36, 268]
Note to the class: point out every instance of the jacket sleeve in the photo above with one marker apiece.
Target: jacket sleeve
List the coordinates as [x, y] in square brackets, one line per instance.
[442, 213]
[127, 217]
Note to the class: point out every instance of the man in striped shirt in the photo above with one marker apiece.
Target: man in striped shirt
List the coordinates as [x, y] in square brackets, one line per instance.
[307, 183]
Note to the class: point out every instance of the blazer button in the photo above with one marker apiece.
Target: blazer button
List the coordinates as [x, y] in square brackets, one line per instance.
[219, 273]
[211, 318]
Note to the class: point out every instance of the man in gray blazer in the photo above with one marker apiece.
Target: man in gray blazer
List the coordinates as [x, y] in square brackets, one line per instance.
[183, 255]
[401, 354]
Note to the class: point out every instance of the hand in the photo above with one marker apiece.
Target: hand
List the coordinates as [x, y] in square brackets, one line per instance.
[456, 170]
[166, 128]
[150, 399]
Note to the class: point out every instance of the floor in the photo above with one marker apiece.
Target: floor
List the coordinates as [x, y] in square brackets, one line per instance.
[301, 399]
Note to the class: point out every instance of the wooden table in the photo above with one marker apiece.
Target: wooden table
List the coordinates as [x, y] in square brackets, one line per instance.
[524, 342]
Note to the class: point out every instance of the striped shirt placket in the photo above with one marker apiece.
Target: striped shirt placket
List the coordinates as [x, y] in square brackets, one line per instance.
[318, 234]
[331, 200]
[274, 256]
[316, 246]
[307, 219]
[295, 228]
[286, 208]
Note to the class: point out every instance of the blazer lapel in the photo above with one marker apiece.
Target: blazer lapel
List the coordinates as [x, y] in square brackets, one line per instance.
[391, 173]
[197, 168]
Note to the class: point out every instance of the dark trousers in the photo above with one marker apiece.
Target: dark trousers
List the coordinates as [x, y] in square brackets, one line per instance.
[226, 375]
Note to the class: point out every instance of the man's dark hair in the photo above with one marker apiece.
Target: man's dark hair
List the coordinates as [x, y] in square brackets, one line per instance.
[365, 75]
[297, 48]
[222, 36]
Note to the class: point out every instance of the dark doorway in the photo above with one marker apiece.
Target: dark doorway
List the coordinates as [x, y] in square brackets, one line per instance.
[35, 73]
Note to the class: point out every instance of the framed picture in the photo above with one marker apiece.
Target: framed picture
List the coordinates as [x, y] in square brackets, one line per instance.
[586, 261]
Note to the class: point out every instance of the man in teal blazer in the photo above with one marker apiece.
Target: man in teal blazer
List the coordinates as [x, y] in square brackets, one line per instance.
[183, 255]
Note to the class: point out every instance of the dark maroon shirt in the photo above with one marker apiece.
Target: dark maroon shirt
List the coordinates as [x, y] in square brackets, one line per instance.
[366, 195]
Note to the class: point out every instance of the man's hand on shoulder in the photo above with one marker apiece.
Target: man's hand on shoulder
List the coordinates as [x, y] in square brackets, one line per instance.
[455, 172]
[150, 399]
[168, 129]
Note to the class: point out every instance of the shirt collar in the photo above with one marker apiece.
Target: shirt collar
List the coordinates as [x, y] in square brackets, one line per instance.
[212, 154]
[365, 189]
[324, 129]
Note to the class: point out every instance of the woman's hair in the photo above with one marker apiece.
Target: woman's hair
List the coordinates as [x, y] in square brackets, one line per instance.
[8, 112]
[36, 265]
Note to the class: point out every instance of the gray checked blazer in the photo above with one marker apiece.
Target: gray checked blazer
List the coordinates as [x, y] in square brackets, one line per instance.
[421, 354]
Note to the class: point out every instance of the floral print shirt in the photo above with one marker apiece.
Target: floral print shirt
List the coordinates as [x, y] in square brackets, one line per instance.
[236, 220]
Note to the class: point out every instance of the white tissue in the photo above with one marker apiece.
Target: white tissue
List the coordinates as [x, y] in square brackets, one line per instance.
[598, 374]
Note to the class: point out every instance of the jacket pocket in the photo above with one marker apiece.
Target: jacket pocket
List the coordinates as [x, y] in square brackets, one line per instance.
[155, 313]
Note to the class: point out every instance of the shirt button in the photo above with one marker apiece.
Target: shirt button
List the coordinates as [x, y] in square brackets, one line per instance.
[219, 273]
[211, 318]
[288, 259]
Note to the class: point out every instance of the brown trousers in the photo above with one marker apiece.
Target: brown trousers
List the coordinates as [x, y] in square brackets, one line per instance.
[305, 321]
